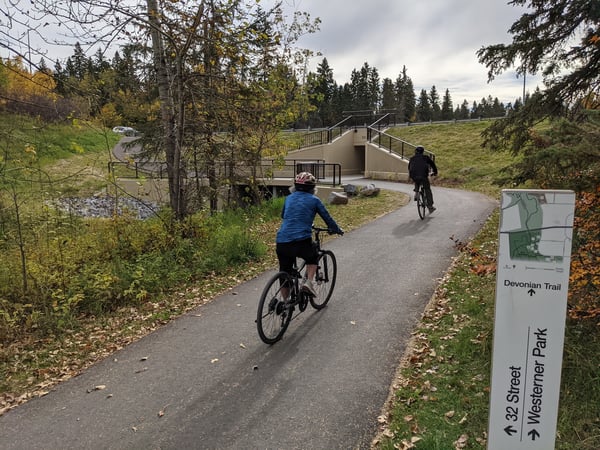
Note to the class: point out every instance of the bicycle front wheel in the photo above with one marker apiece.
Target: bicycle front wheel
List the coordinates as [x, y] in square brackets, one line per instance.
[324, 279]
[421, 203]
[274, 314]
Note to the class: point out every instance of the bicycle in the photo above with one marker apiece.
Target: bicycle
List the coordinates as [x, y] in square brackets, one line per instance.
[275, 313]
[421, 201]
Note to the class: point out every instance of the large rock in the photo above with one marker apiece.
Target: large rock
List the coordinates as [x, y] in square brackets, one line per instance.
[350, 190]
[338, 198]
[369, 190]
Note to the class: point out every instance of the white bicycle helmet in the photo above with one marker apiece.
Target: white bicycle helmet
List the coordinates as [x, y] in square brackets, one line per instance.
[305, 179]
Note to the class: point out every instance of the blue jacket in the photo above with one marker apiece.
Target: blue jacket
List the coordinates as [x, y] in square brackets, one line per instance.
[299, 211]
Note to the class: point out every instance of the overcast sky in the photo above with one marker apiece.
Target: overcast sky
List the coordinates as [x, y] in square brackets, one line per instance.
[436, 40]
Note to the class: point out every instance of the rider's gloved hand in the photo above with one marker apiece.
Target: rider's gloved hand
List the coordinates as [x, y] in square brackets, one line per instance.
[338, 231]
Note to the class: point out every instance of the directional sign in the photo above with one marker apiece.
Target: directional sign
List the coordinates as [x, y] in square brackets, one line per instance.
[534, 254]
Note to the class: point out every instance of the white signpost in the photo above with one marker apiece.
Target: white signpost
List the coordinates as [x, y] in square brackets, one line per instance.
[534, 255]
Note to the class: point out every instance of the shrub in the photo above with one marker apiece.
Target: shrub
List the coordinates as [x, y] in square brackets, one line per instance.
[86, 267]
[584, 282]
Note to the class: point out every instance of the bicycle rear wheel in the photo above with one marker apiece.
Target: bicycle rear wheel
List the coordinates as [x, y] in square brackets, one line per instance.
[324, 279]
[421, 203]
[274, 315]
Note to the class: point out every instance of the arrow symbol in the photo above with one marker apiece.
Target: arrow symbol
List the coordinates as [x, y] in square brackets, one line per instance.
[534, 434]
[510, 430]
[531, 292]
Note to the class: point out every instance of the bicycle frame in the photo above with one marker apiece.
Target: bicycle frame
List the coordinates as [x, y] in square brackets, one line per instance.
[299, 272]
[281, 295]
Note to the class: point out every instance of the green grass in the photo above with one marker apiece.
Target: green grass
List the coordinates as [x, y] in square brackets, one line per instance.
[53, 142]
[579, 415]
[68, 158]
[461, 160]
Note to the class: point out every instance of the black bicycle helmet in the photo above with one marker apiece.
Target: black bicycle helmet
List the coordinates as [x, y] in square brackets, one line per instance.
[419, 149]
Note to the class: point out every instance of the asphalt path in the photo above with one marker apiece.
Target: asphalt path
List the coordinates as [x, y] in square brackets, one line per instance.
[206, 381]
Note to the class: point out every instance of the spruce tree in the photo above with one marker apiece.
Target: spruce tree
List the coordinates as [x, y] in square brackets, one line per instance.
[424, 112]
[559, 39]
[434, 101]
[447, 113]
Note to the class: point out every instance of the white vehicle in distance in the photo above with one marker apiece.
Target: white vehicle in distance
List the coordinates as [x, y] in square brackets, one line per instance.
[127, 131]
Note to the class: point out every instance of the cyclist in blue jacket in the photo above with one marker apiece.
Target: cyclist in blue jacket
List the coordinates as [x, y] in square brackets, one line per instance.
[294, 237]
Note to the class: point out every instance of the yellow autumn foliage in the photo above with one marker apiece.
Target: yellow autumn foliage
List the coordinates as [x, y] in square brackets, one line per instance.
[19, 84]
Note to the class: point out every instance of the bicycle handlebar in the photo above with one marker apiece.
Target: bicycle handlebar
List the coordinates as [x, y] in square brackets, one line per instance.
[319, 230]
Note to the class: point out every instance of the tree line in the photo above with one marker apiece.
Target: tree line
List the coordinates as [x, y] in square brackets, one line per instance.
[367, 92]
[121, 90]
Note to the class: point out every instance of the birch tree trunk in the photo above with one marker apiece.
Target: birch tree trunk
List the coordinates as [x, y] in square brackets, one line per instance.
[167, 110]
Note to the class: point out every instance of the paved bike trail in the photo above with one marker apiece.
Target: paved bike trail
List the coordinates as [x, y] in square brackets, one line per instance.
[206, 381]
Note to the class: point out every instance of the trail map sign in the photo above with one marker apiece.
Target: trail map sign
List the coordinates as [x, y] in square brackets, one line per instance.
[534, 255]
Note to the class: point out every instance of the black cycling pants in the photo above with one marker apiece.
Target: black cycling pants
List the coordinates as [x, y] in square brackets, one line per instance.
[427, 187]
[287, 252]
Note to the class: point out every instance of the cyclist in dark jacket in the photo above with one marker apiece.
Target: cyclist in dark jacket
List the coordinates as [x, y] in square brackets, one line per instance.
[294, 238]
[419, 168]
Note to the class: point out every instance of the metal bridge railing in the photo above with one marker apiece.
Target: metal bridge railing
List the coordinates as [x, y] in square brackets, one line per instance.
[393, 144]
